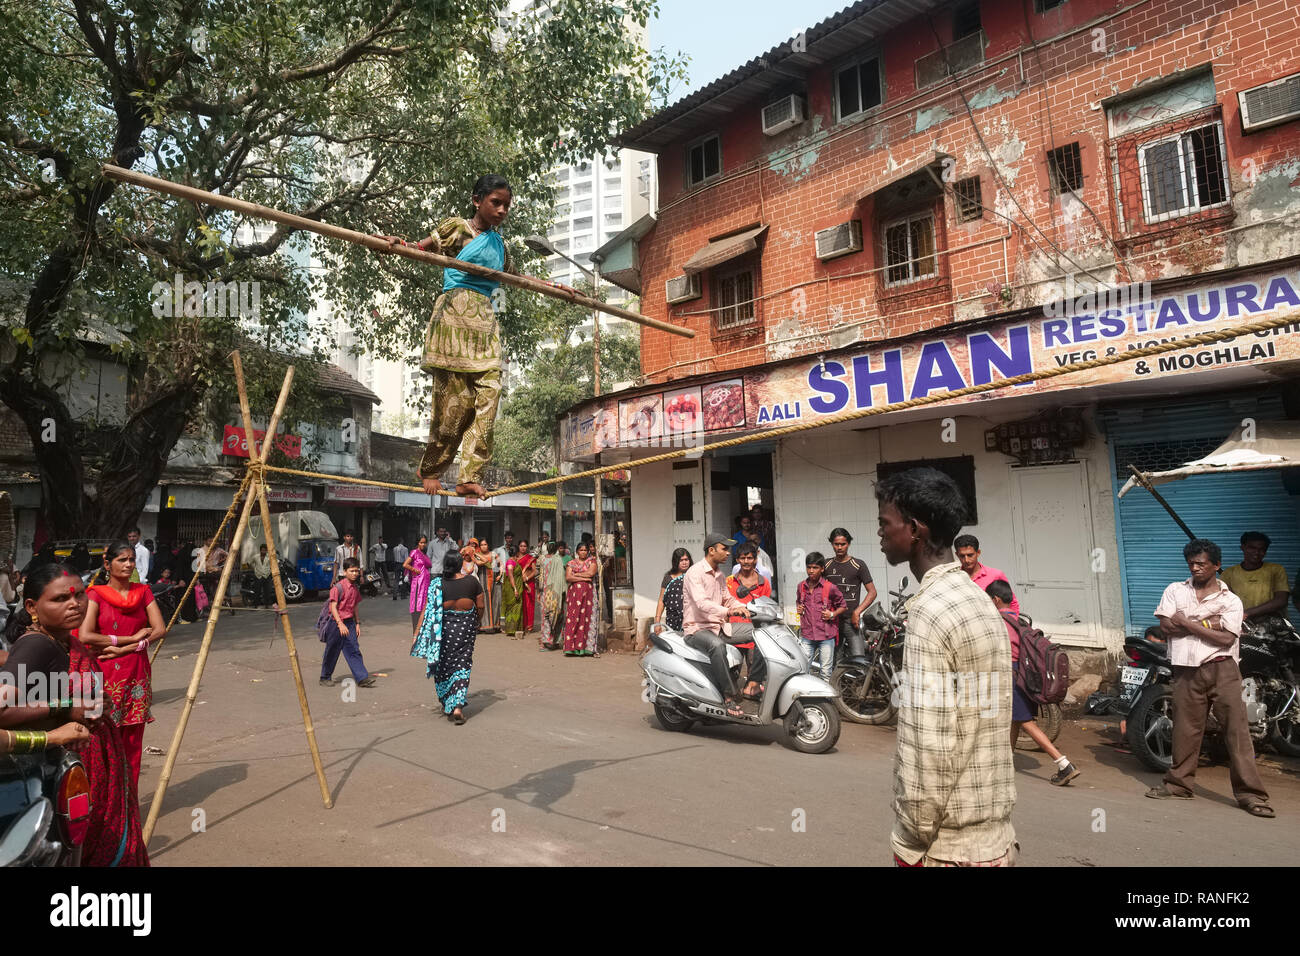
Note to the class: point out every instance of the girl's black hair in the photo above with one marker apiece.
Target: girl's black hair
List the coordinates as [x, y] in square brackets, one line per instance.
[424, 538]
[677, 559]
[116, 548]
[490, 183]
[20, 622]
[452, 562]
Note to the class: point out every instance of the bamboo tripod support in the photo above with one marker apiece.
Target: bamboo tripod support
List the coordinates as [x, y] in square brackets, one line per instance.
[256, 492]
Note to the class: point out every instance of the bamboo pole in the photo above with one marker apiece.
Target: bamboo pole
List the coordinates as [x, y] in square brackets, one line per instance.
[281, 602]
[379, 245]
[214, 614]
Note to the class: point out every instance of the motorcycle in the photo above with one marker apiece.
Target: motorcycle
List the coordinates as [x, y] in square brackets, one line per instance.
[1270, 663]
[678, 684]
[372, 582]
[864, 693]
[250, 588]
[44, 809]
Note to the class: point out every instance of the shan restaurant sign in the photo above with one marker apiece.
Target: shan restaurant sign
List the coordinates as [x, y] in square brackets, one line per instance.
[772, 396]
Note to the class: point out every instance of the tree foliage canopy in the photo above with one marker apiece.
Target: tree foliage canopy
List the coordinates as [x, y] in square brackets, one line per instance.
[377, 115]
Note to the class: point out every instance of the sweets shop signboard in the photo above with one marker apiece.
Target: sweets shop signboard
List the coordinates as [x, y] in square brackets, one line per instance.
[884, 373]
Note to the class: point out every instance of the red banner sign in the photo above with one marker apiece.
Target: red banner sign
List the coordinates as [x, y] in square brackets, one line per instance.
[234, 443]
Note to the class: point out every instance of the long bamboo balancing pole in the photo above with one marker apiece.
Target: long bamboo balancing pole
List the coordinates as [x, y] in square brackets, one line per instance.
[276, 580]
[155, 806]
[379, 245]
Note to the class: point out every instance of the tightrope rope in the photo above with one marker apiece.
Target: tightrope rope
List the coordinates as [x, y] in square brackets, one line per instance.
[1129, 355]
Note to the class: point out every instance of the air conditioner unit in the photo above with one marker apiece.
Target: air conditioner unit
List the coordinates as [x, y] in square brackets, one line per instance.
[682, 288]
[781, 115]
[839, 240]
[1270, 104]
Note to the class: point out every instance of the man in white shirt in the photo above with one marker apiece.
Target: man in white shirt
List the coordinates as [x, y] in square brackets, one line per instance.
[439, 548]
[348, 549]
[141, 555]
[1201, 618]
[400, 551]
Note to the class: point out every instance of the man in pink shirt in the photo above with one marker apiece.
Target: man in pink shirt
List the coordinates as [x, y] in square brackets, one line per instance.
[1202, 618]
[706, 606]
[967, 548]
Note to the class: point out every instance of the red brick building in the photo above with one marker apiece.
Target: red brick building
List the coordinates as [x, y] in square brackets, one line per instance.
[909, 198]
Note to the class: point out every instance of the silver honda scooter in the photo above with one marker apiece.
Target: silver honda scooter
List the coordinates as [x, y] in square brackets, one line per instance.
[678, 683]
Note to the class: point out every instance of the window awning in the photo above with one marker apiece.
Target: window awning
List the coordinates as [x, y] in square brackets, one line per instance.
[920, 175]
[723, 250]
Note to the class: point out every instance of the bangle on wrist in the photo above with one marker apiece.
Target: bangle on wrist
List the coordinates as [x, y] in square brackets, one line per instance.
[114, 640]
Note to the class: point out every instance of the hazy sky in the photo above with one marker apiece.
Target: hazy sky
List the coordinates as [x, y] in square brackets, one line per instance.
[720, 35]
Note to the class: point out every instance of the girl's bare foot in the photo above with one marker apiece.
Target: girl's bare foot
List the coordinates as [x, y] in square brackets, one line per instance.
[471, 489]
[432, 486]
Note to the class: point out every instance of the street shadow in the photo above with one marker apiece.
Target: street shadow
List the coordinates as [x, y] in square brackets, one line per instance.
[192, 792]
[168, 695]
[480, 700]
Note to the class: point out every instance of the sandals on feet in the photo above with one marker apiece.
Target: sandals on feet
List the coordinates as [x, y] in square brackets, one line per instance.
[1261, 810]
[734, 709]
[1164, 793]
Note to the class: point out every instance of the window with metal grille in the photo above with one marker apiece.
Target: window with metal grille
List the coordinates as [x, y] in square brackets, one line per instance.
[733, 298]
[1184, 173]
[1161, 455]
[1042, 6]
[909, 250]
[1065, 169]
[966, 193]
[858, 88]
[704, 160]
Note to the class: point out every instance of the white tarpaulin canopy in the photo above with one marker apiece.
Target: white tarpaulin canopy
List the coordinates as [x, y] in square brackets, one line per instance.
[1251, 447]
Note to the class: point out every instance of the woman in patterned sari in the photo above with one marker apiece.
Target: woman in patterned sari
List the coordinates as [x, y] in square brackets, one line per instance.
[445, 637]
[44, 627]
[417, 565]
[552, 578]
[580, 606]
[519, 592]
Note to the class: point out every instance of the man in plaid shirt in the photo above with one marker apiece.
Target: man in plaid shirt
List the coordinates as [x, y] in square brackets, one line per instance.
[954, 786]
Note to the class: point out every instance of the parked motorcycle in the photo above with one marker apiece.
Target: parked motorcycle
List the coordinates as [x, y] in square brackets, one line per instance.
[372, 582]
[44, 809]
[1270, 663]
[864, 693]
[250, 588]
[678, 684]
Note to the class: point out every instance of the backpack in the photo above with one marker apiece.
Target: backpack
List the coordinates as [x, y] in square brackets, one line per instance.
[325, 619]
[1044, 672]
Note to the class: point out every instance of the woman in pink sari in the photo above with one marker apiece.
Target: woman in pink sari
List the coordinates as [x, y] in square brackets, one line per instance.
[121, 619]
[417, 565]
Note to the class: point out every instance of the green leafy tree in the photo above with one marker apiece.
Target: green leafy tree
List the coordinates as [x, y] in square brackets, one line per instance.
[372, 114]
[556, 375]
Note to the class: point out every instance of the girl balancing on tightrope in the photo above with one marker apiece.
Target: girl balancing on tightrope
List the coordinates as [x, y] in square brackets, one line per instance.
[462, 346]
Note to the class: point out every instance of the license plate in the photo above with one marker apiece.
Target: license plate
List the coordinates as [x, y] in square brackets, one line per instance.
[1132, 679]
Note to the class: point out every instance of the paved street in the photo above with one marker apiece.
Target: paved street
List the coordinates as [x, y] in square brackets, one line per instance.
[564, 758]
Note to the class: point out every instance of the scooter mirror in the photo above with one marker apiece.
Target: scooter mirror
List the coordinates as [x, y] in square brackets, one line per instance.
[903, 586]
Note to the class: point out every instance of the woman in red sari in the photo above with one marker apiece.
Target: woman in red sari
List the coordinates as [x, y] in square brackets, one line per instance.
[43, 637]
[121, 620]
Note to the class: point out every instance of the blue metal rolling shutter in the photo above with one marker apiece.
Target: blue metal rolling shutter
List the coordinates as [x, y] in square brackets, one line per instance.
[1218, 507]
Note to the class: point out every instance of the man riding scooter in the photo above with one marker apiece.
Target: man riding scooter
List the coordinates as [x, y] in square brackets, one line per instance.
[707, 606]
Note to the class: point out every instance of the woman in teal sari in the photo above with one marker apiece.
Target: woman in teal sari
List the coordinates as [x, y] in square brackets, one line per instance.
[448, 629]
